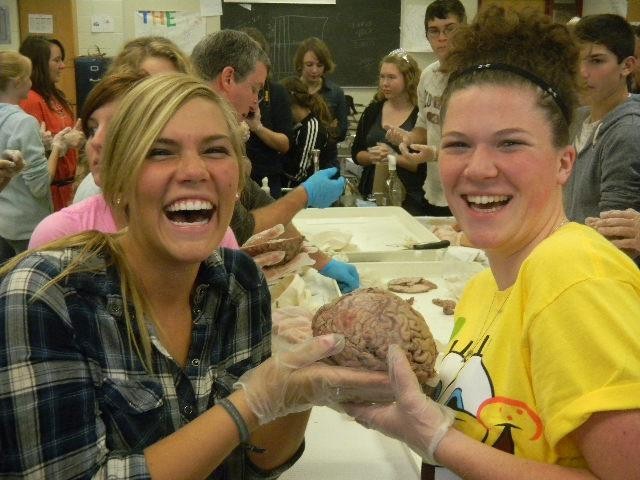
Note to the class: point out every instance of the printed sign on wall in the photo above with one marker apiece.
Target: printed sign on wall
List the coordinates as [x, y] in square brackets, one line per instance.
[185, 29]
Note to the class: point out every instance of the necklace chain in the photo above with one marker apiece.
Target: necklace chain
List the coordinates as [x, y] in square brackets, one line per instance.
[557, 227]
[490, 320]
[487, 324]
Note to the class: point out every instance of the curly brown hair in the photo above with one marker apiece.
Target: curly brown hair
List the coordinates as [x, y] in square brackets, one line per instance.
[525, 39]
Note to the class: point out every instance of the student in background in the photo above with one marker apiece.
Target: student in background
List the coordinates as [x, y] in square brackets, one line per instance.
[27, 198]
[394, 104]
[235, 66]
[312, 62]
[312, 120]
[49, 106]
[151, 54]
[607, 171]
[541, 378]
[271, 128]
[147, 55]
[441, 19]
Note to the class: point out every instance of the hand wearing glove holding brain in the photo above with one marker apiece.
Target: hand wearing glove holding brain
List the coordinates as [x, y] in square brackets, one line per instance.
[413, 418]
[294, 381]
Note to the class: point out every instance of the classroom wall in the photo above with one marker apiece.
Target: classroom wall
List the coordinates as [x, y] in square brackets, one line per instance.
[414, 41]
[122, 12]
[12, 5]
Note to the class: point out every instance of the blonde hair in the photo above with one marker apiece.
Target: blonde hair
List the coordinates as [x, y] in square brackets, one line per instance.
[141, 116]
[139, 49]
[143, 113]
[13, 67]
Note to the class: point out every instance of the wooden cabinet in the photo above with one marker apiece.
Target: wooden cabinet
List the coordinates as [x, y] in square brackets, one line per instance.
[64, 29]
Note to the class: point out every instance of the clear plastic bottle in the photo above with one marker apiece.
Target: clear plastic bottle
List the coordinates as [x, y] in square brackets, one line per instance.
[395, 191]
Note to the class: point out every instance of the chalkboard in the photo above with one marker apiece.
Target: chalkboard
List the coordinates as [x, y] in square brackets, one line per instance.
[358, 32]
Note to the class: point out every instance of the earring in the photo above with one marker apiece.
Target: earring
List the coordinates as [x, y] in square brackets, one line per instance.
[118, 201]
[237, 196]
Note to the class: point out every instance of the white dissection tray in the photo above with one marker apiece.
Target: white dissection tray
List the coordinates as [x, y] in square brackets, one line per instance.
[395, 256]
[339, 448]
[449, 276]
[375, 229]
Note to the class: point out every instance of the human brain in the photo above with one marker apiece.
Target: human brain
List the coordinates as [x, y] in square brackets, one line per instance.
[371, 319]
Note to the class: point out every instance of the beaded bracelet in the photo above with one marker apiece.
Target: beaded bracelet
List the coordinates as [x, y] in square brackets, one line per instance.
[243, 430]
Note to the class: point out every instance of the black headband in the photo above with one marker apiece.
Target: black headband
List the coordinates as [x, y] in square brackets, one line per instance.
[521, 73]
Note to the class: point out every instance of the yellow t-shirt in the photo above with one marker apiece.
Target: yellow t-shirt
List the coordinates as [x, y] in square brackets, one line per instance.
[528, 365]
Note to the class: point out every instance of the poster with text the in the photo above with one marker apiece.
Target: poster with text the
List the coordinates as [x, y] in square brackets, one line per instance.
[185, 29]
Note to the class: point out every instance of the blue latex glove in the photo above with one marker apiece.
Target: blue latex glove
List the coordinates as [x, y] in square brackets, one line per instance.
[322, 190]
[344, 273]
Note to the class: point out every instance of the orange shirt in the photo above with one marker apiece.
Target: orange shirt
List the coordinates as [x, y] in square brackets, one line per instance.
[55, 120]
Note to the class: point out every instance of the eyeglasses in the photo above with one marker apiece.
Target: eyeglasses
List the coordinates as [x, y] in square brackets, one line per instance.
[258, 91]
[433, 32]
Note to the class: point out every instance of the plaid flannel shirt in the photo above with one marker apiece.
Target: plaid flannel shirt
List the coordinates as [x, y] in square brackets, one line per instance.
[75, 399]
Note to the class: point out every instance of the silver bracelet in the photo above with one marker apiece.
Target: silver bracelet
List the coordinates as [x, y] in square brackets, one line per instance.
[243, 430]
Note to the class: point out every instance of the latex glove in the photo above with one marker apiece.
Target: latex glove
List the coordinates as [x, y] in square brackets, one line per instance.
[308, 247]
[11, 163]
[295, 265]
[322, 190]
[414, 418]
[296, 380]
[46, 136]
[265, 235]
[344, 273]
[396, 135]
[621, 227]
[268, 258]
[422, 154]
[59, 143]
[380, 152]
[245, 131]
[290, 326]
[75, 138]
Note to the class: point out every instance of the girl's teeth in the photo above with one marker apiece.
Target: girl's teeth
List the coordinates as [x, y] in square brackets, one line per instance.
[190, 205]
[483, 199]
